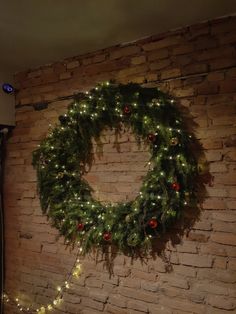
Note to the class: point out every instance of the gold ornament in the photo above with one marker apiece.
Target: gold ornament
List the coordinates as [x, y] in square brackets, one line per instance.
[174, 141]
[60, 175]
[127, 218]
[187, 196]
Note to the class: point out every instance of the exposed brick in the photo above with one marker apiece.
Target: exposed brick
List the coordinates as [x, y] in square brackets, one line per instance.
[162, 43]
[100, 296]
[139, 295]
[117, 300]
[221, 302]
[138, 305]
[224, 238]
[65, 76]
[197, 66]
[170, 73]
[126, 51]
[72, 64]
[138, 60]
[195, 260]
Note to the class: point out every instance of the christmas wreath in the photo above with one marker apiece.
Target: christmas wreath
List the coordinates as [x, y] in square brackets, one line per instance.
[62, 157]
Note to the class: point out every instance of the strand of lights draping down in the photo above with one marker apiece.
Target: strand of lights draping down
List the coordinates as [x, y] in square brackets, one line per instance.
[60, 290]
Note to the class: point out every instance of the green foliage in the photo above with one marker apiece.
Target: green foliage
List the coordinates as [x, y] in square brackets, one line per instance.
[62, 157]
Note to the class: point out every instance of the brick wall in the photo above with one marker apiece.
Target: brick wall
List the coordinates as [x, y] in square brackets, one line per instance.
[196, 64]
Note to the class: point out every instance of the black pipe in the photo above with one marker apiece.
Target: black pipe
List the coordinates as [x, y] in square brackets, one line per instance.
[1, 225]
[3, 135]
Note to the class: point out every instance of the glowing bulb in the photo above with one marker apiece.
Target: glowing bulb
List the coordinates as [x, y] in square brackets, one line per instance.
[59, 289]
[49, 307]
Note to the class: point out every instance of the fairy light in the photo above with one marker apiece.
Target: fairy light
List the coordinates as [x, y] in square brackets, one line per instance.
[76, 271]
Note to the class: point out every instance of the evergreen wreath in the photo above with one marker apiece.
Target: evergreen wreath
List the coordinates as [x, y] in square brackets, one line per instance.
[62, 156]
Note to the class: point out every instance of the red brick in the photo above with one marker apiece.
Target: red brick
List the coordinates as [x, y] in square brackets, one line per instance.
[166, 74]
[221, 302]
[125, 51]
[158, 65]
[140, 295]
[224, 238]
[195, 260]
[138, 305]
[162, 43]
[72, 64]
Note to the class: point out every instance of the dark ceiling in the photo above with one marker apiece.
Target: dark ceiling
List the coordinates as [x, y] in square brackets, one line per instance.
[34, 32]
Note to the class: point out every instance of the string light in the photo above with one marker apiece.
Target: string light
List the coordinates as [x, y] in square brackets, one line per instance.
[76, 271]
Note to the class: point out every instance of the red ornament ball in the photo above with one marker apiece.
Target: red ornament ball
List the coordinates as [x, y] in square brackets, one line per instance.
[153, 223]
[127, 109]
[107, 236]
[175, 186]
[151, 137]
[80, 226]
